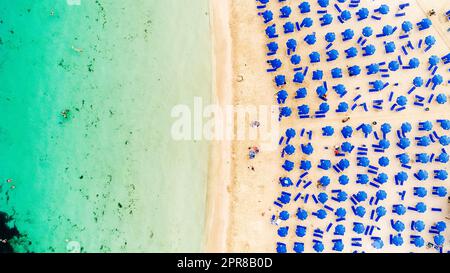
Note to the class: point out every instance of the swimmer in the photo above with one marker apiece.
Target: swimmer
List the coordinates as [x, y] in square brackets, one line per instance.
[77, 49]
[9, 180]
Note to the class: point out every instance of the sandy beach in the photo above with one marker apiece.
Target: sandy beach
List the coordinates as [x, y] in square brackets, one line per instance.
[241, 191]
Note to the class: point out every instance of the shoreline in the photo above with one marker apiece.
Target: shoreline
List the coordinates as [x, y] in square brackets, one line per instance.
[220, 157]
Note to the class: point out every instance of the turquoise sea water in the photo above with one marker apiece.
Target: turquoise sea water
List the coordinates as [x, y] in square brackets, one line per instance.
[85, 136]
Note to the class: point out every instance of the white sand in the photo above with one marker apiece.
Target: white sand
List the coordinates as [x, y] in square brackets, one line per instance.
[245, 215]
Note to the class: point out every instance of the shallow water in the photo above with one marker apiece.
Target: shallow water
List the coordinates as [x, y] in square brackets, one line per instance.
[107, 177]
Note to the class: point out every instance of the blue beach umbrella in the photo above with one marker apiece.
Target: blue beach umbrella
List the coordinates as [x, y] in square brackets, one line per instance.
[304, 7]
[402, 100]
[437, 79]
[407, 26]
[330, 37]
[382, 178]
[373, 68]
[351, 52]
[441, 98]
[314, 57]
[441, 191]
[321, 214]
[419, 225]
[280, 80]
[348, 34]
[444, 140]
[301, 93]
[378, 244]
[288, 165]
[386, 128]
[420, 192]
[299, 247]
[302, 214]
[290, 133]
[388, 30]
[307, 22]
[291, 44]
[366, 128]
[427, 125]
[443, 158]
[346, 147]
[346, 15]
[286, 182]
[323, 3]
[310, 39]
[423, 158]
[422, 175]
[445, 124]
[299, 77]
[398, 226]
[394, 65]
[343, 164]
[424, 141]
[284, 215]
[404, 158]
[289, 149]
[362, 13]
[363, 161]
[305, 165]
[282, 95]
[401, 177]
[433, 60]
[332, 55]
[418, 241]
[318, 246]
[360, 211]
[283, 231]
[267, 15]
[414, 63]
[441, 174]
[384, 144]
[381, 195]
[285, 11]
[342, 196]
[404, 143]
[343, 179]
[340, 212]
[300, 231]
[325, 164]
[397, 240]
[272, 46]
[338, 246]
[342, 107]
[369, 50]
[383, 161]
[367, 31]
[317, 75]
[354, 70]
[441, 226]
[439, 240]
[406, 127]
[430, 41]
[358, 228]
[362, 179]
[281, 248]
[339, 230]
[307, 149]
[383, 9]
[336, 73]
[322, 197]
[418, 81]
[321, 91]
[380, 211]
[361, 196]
[295, 59]
[399, 209]
[347, 131]
[324, 107]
